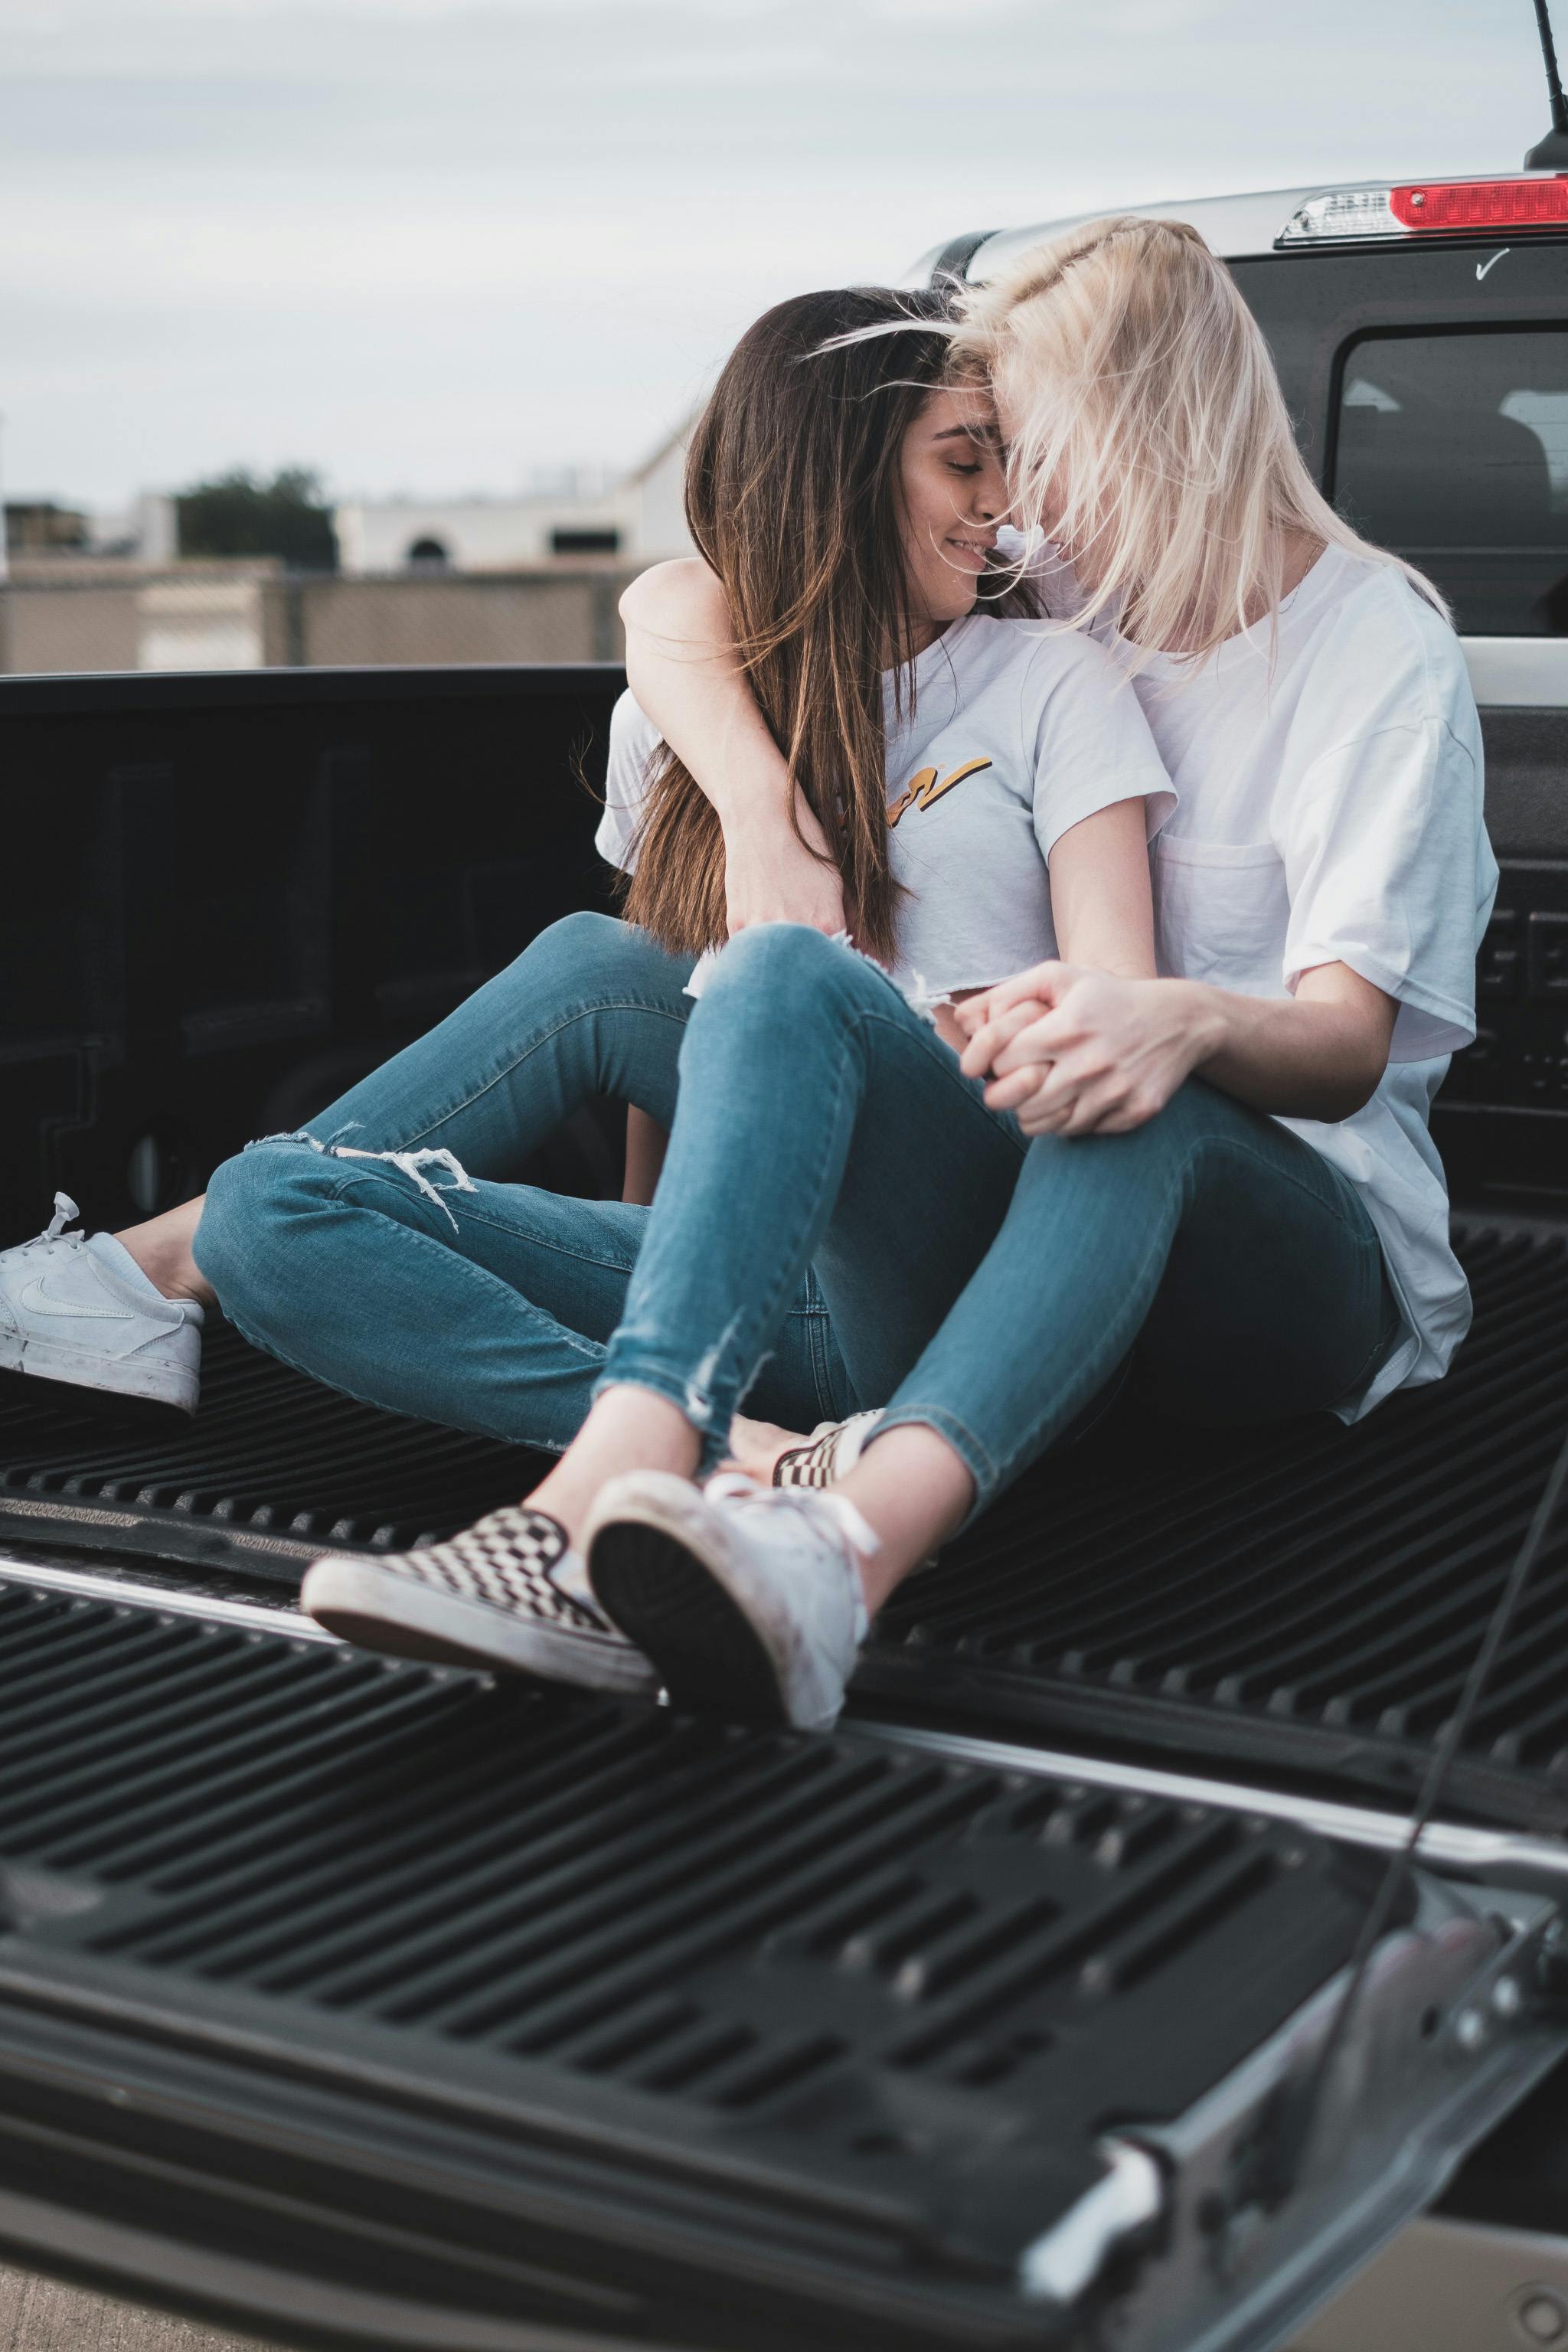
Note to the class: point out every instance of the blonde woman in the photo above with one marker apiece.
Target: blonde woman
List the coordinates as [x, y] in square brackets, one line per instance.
[1229, 1179]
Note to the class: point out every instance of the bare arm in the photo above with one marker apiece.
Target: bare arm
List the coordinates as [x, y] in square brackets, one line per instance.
[1101, 905]
[1318, 1054]
[647, 1143]
[1081, 1053]
[683, 669]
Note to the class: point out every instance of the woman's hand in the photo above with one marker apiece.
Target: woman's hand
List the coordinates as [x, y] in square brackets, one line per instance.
[772, 876]
[1076, 1051]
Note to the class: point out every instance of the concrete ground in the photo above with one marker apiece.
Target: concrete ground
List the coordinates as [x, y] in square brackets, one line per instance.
[1438, 2288]
[38, 2315]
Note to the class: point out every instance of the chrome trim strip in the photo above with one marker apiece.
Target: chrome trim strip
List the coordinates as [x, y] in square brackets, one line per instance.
[1246, 223]
[87, 1585]
[1454, 1844]
[1234, 226]
[1518, 673]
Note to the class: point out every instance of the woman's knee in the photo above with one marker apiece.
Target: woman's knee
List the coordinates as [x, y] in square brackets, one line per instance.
[583, 934]
[790, 963]
[597, 948]
[1176, 1136]
[251, 1203]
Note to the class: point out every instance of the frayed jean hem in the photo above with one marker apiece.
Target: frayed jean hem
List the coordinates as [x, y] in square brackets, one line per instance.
[712, 1432]
[986, 1474]
[991, 1478]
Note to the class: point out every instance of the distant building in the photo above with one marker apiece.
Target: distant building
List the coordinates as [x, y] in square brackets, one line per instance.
[40, 527]
[473, 534]
[658, 485]
[639, 517]
[144, 531]
[530, 579]
[66, 612]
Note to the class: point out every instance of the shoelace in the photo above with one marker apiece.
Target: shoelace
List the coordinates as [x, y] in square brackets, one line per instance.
[65, 1210]
[735, 1486]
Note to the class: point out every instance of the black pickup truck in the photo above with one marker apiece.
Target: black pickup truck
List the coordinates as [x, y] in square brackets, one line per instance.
[356, 2003]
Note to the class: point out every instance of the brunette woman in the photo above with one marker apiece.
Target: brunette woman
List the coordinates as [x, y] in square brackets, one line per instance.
[847, 498]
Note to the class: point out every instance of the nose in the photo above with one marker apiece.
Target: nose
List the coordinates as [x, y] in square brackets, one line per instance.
[988, 498]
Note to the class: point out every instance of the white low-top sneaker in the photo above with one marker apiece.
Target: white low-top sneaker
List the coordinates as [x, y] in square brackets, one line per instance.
[747, 1598]
[508, 1593]
[78, 1308]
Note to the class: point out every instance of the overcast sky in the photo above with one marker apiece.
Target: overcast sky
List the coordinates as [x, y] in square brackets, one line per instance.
[432, 245]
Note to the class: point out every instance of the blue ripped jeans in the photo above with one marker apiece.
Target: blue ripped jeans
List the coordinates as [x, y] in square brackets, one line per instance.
[841, 1222]
[988, 1285]
[390, 1251]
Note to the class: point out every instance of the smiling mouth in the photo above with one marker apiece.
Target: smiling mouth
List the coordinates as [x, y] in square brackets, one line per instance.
[973, 550]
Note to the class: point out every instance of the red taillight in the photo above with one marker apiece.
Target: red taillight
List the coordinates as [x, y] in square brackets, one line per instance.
[1482, 203]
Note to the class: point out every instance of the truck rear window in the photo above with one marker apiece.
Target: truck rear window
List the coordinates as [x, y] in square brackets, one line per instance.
[1453, 450]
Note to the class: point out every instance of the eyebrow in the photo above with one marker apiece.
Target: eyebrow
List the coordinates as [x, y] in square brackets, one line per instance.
[966, 433]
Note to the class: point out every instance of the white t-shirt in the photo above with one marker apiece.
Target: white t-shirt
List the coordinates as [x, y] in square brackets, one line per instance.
[1330, 812]
[1014, 737]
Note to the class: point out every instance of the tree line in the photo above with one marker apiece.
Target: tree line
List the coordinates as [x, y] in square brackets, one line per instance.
[239, 513]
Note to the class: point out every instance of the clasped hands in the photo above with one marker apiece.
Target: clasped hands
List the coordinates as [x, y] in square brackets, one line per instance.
[1073, 1051]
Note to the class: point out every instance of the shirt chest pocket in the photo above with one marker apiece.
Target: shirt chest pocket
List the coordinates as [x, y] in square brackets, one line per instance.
[1221, 912]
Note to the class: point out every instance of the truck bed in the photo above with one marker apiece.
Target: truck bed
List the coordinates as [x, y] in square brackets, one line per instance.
[1300, 1599]
[378, 2006]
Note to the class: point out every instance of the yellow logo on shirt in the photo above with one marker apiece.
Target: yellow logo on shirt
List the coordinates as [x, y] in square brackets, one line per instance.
[922, 788]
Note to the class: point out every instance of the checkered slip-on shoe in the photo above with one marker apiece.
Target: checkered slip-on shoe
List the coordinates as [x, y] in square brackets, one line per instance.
[830, 1453]
[508, 1593]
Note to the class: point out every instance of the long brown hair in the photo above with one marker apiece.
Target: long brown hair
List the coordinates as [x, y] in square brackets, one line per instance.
[792, 497]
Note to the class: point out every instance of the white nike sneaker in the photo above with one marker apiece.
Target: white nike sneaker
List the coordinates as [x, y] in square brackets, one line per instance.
[747, 1598]
[78, 1309]
[509, 1591]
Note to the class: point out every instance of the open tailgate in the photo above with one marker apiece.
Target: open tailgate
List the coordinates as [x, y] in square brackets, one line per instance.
[380, 2005]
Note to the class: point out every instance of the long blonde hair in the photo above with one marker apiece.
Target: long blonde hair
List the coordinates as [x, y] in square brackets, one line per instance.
[1150, 433]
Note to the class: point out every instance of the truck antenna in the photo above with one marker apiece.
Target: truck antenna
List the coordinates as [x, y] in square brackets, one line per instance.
[1552, 153]
[1296, 2128]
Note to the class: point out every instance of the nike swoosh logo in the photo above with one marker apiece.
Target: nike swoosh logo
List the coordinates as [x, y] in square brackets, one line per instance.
[1482, 267]
[40, 1302]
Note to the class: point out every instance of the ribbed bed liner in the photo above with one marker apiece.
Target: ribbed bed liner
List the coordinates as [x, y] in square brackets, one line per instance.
[1295, 1600]
[273, 1468]
[1308, 1597]
[803, 2000]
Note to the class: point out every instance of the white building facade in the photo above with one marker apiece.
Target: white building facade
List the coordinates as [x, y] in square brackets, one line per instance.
[639, 517]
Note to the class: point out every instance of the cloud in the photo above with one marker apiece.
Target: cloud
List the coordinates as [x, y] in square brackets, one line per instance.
[433, 242]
